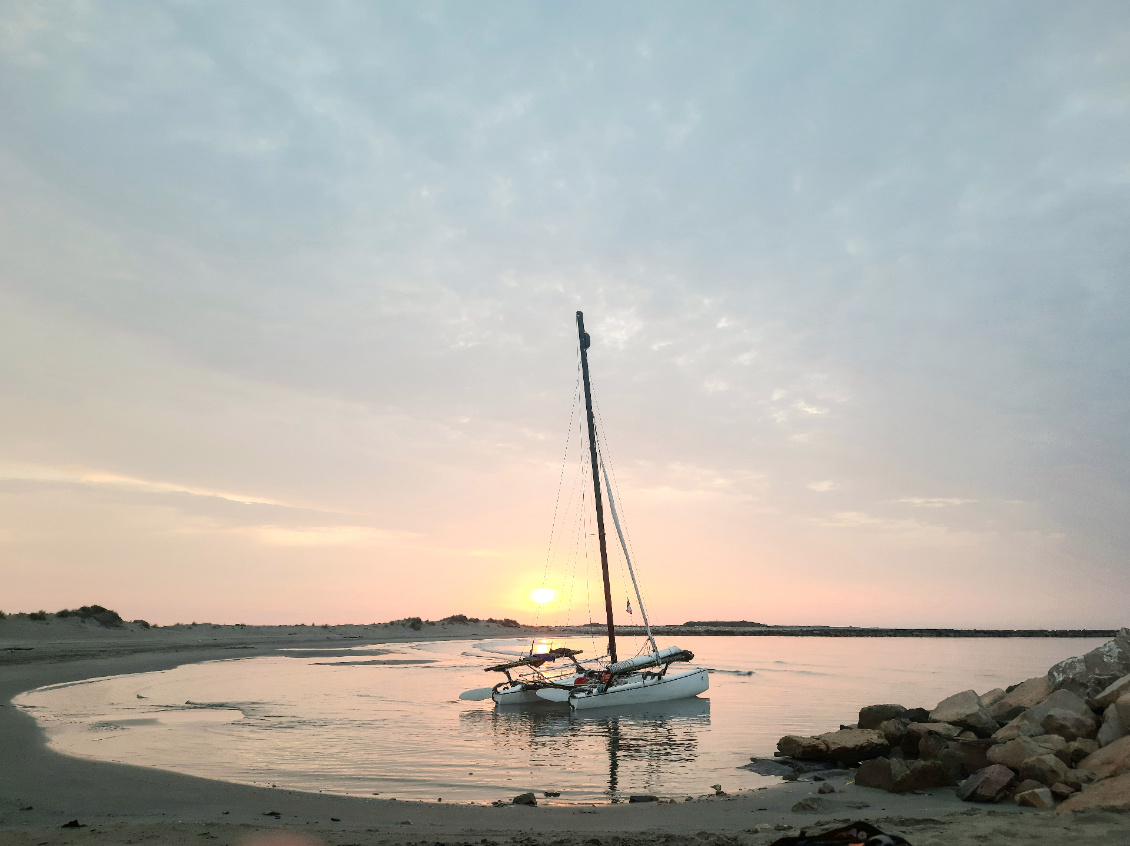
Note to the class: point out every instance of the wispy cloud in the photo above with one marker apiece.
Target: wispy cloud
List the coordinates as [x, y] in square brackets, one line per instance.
[933, 502]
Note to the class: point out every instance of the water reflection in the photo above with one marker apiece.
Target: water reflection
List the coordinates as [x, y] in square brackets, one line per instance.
[644, 748]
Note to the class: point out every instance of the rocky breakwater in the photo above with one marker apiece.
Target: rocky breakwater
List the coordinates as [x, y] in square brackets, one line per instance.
[1060, 738]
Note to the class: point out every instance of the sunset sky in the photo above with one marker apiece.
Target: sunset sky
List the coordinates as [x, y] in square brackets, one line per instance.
[287, 297]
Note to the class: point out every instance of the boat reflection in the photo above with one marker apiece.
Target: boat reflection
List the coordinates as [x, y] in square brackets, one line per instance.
[642, 747]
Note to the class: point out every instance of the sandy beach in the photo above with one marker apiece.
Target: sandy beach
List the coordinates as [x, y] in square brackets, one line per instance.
[41, 790]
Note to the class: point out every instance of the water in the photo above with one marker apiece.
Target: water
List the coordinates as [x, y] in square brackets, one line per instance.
[385, 720]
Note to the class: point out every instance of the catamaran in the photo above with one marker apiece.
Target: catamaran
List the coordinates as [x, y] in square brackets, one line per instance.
[606, 681]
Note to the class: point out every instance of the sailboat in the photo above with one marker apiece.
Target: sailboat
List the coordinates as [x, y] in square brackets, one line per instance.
[607, 682]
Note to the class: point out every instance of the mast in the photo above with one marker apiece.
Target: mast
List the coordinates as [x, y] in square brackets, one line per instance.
[583, 337]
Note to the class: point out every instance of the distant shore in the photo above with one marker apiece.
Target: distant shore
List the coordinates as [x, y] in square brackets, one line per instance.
[850, 631]
[41, 790]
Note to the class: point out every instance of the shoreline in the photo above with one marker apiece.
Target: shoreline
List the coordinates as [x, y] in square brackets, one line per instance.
[120, 802]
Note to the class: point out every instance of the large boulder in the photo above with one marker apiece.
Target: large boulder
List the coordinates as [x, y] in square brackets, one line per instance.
[990, 698]
[966, 710]
[1041, 797]
[899, 776]
[1112, 728]
[850, 746]
[804, 748]
[1122, 708]
[1112, 760]
[1023, 696]
[991, 784]
[1061, 700]
[1023, 725]
[1111, 795]
[917, 732]
[872, 715]
[1046, 769]
[962, 758]
[1077, 750]
[1015, 752]
[1090, 674]
[1113, 691]
[1068, 725]
[894, 730]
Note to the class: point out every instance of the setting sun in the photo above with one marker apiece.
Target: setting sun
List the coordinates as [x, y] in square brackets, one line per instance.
[543, 595]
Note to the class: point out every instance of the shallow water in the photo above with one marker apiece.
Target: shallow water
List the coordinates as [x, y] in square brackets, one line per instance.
[377, 721]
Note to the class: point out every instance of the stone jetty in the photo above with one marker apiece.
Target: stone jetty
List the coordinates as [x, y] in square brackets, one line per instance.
[1060, 739]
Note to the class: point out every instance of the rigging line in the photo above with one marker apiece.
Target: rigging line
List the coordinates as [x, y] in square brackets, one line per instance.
[577, 481]
[564, 461]
[606, 458]
[570, 553]
[624, 548]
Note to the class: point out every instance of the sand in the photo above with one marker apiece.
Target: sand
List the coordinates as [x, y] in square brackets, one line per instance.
[41, 790]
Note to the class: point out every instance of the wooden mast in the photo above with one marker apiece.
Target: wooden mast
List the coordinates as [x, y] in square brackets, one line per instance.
[584, 340]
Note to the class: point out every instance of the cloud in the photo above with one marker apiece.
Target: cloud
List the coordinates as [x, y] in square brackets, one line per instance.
[325, 535]
[933, 502]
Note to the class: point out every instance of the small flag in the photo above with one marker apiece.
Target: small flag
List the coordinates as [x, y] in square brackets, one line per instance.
[629, 606]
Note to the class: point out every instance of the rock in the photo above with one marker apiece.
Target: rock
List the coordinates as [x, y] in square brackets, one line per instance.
[1112, 795]
[1061, 791]
[962, 758]
[1027, 784]
[898, 776]
[988, 785]
[784, 766]
[894, 730]
[1024, 725]
[779, 767]
[931, 746]
[1079, 778]
[850, 746]
[1122, 708]
[73, 824]
[916, 731]
[1112, 728]
[1067, 725]
[1015, 752]
[826, 788]
[1110, 761]
[917, 715]
[1056, 745]
[1023, 696]
[1094, 672]
[1109, 696]
[871, 715]
[524, 799]
[1046, 769]
[1077, 750]
[642, 797]
[1061, 700]
[1041, 797]
[804, 748]
[922, 775]
[992, 697]
[876, 773]
[809, 805]
[965, 709]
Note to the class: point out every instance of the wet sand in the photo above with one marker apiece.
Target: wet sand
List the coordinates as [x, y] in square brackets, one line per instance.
[122, 804]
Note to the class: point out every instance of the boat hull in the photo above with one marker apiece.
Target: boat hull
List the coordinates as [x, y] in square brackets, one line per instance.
[635, 692]
[518, 696]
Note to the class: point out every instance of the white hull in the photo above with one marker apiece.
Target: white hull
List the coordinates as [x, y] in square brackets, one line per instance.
[640, 689]
[517, 696]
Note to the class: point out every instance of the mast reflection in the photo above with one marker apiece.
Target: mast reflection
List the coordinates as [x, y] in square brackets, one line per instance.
[641, 747]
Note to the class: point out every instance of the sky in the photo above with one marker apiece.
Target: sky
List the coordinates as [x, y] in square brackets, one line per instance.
[287, 298]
